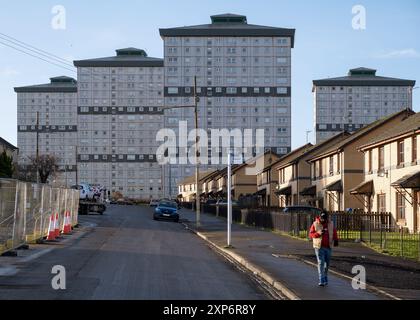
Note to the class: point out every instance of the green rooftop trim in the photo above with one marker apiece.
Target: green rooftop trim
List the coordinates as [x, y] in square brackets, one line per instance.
[362, 71]
[363, 77]
[125, 57]
[56, 84]
[62, 79]
[228, 25]
[131, 52]
[228, 18]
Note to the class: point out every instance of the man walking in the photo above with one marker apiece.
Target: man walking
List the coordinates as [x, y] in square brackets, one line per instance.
[324, 236]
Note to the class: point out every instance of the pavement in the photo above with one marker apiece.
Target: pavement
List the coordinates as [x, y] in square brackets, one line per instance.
[125, 254]
[290, 265]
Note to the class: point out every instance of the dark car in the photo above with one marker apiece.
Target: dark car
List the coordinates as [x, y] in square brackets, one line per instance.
[166, 210]
[211, 202]
[302, 209]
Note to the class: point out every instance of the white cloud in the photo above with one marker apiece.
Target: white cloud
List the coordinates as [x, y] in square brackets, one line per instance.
[8, 72]
[403, 53]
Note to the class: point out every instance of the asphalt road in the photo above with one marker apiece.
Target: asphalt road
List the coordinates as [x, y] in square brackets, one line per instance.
[125, 254]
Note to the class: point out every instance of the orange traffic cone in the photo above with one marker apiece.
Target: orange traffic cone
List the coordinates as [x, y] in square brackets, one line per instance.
[69, 221]
[57, 226]
[51, 231]
[66, 225]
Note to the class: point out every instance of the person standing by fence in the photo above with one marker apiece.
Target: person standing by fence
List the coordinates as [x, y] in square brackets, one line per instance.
[324, 236]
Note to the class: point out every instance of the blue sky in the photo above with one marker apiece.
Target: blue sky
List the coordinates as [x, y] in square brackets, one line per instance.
[326, 45]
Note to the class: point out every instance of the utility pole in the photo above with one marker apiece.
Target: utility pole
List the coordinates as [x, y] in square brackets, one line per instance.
[37, 147]
[197, 186]
[77, 168]
[65, 170]
[197, 153]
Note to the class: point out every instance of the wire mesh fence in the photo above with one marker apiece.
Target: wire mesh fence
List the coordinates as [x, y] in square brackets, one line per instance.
[26, 209]
[378, 229]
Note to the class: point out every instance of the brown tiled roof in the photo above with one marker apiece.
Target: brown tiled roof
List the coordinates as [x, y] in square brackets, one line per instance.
[410, 124]
[362, 131]
[201, 175]
[294, 154]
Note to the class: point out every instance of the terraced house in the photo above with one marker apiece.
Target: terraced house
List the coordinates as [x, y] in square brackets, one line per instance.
[209, 185]
[392, 173]
[267, 179]
[243, 182]
[338, 169]
[187, 188]
[294, 173]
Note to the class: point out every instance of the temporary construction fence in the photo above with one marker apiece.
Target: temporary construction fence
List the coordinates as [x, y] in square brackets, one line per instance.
[27, 210]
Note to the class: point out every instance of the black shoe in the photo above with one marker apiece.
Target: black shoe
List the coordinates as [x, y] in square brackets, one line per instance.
[321, 284]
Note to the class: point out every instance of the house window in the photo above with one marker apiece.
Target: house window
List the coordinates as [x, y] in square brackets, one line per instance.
[400, 206]
[370, 161]
[338, 163]
[294, 172]
[282, 176]
[331, 165]
[381, 203]
[320, 168]
[400, 152]
[381, 159]
[414, 149]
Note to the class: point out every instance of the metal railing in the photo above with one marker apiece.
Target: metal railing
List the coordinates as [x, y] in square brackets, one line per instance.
[26, 209]
[377, 229]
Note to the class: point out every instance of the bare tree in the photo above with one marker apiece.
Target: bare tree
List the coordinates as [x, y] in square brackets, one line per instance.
[46, 165]
[25, 173]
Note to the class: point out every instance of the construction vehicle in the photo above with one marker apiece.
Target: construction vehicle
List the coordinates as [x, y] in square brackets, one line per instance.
[91, 199]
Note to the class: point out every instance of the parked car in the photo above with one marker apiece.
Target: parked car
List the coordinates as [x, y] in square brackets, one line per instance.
[153, 203]
[302, 209]
[166, 210]
[223, 202]
[211, 202]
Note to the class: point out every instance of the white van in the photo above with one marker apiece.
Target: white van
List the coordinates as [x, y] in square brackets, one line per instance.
[86, 192]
